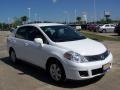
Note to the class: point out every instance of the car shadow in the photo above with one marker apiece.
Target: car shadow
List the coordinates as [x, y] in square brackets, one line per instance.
[40, 74]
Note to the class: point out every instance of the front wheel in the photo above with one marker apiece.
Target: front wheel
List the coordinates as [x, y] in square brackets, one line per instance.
[119, 34]
[12, 56]
[56, 72]
[103, 31]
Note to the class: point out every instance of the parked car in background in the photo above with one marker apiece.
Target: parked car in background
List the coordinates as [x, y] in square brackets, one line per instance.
[92, 27]
[60, 50]
[84, 26]
[117, 29]
[106, 28]
[78, 28]
[12, 30]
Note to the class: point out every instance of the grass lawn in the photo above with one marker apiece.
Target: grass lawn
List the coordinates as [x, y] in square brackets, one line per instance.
[99, 37]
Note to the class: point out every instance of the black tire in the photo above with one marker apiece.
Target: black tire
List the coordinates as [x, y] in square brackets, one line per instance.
[103, 31]
[59, 75]
[118, 34]
[12, 56]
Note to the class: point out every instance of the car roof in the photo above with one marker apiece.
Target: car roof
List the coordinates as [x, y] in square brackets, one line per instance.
[108, 24]
[43, 24]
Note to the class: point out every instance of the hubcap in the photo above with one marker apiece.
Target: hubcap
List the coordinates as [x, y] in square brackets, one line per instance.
[55, 72]
[104, 31]
[13, 56]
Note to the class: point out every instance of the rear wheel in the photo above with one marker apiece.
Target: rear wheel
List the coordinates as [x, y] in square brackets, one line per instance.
[12, 56]
[103, 31]
[56, 72]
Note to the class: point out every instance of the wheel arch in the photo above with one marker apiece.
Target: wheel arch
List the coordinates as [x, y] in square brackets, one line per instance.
[104, 30]
[53, 59]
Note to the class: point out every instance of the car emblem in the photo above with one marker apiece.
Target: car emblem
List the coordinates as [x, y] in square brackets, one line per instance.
[102, 57]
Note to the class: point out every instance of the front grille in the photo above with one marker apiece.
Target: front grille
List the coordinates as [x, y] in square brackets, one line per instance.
[97, 57]
[97, 71]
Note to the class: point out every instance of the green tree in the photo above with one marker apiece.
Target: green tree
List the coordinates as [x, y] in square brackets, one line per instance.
[0, 25]
[109, 20]
[102, 21]
[17, 22]
[24, 19]
[79, 20]
[4, 26]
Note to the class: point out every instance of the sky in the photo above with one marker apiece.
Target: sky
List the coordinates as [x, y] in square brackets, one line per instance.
[57, 10]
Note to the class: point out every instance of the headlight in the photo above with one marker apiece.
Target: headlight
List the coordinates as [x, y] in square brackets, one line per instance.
[73, 56]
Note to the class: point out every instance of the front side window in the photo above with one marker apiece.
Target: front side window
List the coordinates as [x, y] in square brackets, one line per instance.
[33, 33]
[62, 33]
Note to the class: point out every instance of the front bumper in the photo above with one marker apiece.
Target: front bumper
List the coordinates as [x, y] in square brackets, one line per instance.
[82, 71]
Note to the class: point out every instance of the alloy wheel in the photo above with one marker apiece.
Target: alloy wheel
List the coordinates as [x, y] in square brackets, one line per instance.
[55, 72]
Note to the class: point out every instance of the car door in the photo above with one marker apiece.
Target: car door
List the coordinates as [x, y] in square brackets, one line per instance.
[36, 53]
[107, 28]
[112, 27]
[19, 43]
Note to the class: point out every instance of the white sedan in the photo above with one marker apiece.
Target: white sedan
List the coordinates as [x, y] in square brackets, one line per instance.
[107, 28]
[60, 50]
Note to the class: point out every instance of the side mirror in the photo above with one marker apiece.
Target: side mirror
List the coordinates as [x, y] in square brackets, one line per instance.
[38, 41]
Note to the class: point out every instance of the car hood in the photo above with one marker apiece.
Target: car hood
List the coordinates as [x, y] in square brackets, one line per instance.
[85, 47]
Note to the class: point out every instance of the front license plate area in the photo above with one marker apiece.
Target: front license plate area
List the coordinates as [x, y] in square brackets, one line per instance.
[106, 67]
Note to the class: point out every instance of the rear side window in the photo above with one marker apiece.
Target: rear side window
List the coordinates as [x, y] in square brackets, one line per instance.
[30, 33]
[112, 25]
[106, 25]
[21, 33]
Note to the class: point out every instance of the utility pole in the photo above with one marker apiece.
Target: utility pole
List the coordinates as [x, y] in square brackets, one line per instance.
[8, 22]
[39, 18]
[8, 19]
[95, 17]
[29, 14]
[36, 17]
[75, 15]
[67, 16]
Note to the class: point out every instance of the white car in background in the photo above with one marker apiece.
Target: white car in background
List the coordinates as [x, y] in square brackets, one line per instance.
[78, 28]
[60, 50]
[107, 28]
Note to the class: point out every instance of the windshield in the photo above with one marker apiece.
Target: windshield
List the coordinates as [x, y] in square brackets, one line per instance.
[62, 33]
